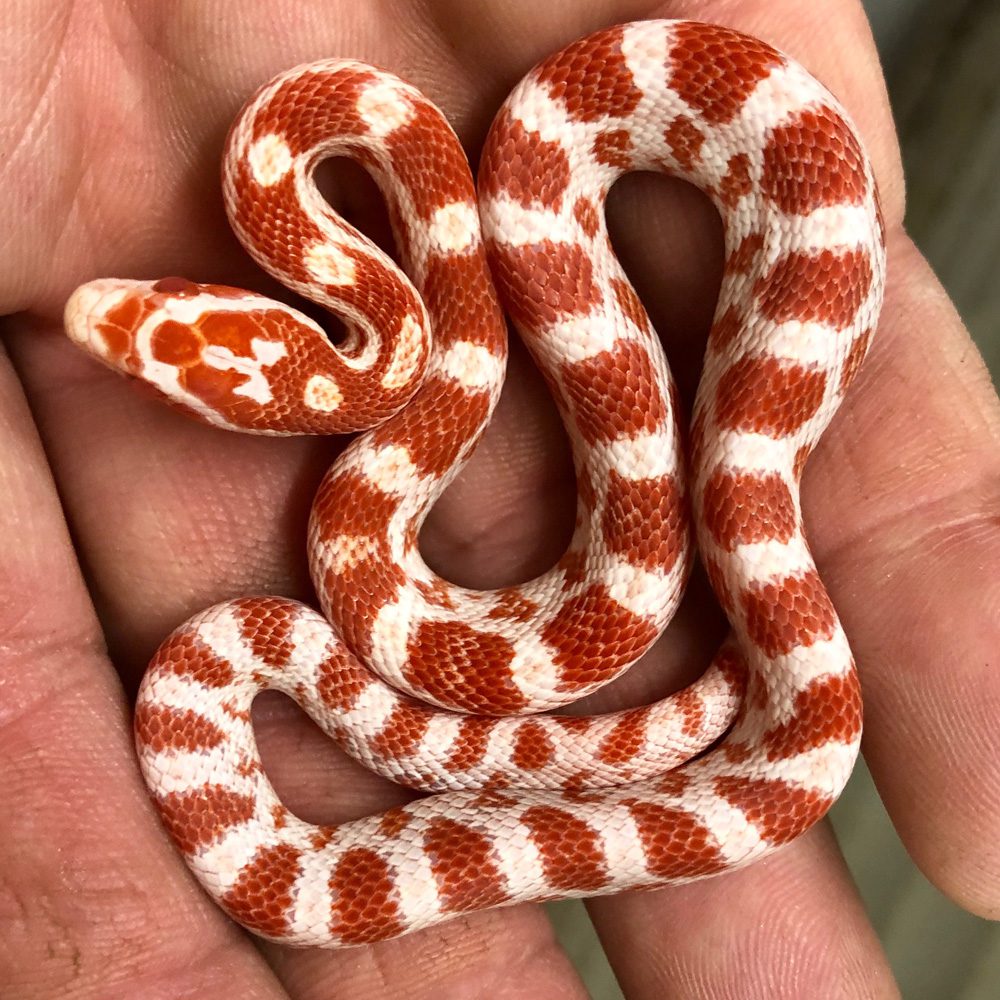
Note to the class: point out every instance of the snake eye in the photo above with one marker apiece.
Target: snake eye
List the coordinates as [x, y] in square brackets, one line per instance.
[176, 286]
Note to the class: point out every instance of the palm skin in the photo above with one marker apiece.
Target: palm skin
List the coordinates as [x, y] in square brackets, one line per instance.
[120, 519]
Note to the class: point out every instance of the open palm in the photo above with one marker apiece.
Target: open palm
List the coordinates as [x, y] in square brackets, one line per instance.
[119, 518]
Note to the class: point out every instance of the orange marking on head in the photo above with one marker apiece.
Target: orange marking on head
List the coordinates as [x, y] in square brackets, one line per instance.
[177, 344]
[119, 326]
[234, 330]
[117, 339]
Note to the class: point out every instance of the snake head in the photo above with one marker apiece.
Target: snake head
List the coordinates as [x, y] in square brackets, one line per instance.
[176, 339]
[223, 355]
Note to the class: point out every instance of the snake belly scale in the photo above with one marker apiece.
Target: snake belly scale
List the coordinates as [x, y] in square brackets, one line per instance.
[446, 689]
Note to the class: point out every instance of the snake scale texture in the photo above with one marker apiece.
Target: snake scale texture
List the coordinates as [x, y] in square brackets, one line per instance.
[439, 687]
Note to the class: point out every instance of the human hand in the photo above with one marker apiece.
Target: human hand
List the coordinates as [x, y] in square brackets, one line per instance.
[120, 113]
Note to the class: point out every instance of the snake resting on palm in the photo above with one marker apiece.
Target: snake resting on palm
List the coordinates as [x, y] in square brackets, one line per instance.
[439, 687]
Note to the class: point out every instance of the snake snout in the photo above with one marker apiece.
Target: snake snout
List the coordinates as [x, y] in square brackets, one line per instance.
[101, 317]
[79, 313]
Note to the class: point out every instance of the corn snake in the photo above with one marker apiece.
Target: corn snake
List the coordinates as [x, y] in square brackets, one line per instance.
[532, 806]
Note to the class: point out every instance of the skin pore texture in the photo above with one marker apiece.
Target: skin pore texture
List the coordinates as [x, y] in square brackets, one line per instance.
[120, 519]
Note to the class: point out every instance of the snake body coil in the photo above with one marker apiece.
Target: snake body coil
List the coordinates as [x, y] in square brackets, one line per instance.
[433, 685]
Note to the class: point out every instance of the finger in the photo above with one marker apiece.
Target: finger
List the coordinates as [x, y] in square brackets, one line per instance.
[791, 925]
[918, 442]
[93, 897]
